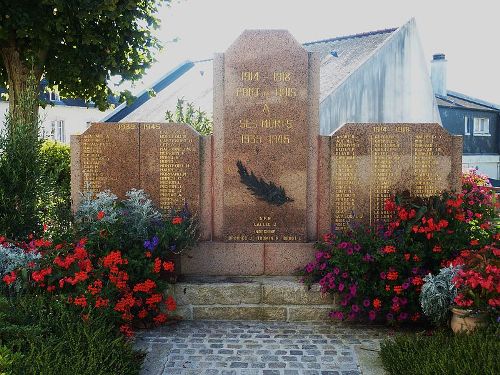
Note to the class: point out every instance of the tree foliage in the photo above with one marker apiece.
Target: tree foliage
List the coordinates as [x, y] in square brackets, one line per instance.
[76, 44]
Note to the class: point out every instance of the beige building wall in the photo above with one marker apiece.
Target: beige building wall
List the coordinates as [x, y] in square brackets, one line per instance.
[59, 122]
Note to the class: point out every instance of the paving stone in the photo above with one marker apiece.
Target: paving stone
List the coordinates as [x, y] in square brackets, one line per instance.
[231, 347]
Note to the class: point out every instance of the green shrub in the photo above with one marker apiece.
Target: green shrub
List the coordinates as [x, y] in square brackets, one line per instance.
[443, 353]
[185, 113]
[55, 201]
[50, 338]
[20, 171]
[7, 359]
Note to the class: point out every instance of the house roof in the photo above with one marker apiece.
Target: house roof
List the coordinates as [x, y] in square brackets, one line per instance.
[455, 99]
[343, 55]
[193, 80]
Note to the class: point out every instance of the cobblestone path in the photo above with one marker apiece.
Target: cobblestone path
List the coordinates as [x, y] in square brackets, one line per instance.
[267, 348]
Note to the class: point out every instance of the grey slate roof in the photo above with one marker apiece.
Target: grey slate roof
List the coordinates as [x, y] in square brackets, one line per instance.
[455, 99]
[340, 57]
[343, 55]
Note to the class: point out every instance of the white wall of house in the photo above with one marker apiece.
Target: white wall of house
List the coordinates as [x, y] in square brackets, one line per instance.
[59, 122]
[486, 164]
[391, 86]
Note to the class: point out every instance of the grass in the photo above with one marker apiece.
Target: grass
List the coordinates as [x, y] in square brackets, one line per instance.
[443, 353]
[39, 336]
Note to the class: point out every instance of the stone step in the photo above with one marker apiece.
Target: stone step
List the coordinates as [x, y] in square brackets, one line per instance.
[251, 298]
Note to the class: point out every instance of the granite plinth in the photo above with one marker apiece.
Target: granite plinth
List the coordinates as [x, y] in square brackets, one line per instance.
[249, 259]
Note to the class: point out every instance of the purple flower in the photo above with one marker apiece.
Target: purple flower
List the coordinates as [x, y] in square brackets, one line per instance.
[403, 316]
[357, 247]
[351, 315]
[337, 315]
[405, 285]
[383, 275]
[344, 302]
[352, 290]
[389, 317]
[336, 270]
[343, 245]
[341, 287]
[355, 308]
[395, 300]
[310, 267]
[322, 266]
[344, 275]
[366, 303]
[350, 251]
[372, 315]
[403, 300]
[151, 244]
[414, 270]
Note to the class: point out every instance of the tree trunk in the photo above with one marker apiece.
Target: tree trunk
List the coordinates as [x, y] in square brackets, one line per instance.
[21, 79]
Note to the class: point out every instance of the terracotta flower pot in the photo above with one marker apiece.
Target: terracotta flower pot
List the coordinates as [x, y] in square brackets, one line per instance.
[466, 321]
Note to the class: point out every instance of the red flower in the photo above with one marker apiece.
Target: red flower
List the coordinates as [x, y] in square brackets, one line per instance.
[147, 254]
[390, 205]
[157, 265]
[377, 303]
[177, 220]
[474, 242]
[126, 330]
[100, 215]
[9, 278]
[171, 304]
[95, 287]
[160, 318]
[392, 275]
[389, 249]
[146, 287]
[168, 266]
[80, 301]
[437, 249]
[101, 302]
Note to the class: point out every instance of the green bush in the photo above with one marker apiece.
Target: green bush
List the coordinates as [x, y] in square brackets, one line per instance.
[443, 353]
[185, 113]
[55, 202]
[20, 171]
[49, 338]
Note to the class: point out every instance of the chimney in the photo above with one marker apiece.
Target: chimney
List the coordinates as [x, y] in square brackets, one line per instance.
[438, 74]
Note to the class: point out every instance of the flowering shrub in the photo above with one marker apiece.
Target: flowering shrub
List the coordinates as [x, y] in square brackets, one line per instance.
[377, 273]
[478, 280]
[374, 279]
[108, 285]
[133, 225]
[120, 265]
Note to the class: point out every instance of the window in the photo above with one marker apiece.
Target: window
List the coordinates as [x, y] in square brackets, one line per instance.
[466, 124]
[54, 96]
[61, 135]
[57, 132]
[481, 126]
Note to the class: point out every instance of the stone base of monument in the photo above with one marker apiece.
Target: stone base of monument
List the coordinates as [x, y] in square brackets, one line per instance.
[250, 259]
[251, 298]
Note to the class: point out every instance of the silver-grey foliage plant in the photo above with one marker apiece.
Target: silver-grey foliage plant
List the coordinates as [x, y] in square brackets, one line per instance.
[136, 213]
[13, 258]
[438, 293]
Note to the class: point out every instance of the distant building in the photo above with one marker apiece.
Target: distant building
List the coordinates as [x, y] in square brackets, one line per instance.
[476, 120]
[61, 117]
[378, 76]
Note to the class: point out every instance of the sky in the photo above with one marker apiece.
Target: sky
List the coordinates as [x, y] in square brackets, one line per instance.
[467, 32]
